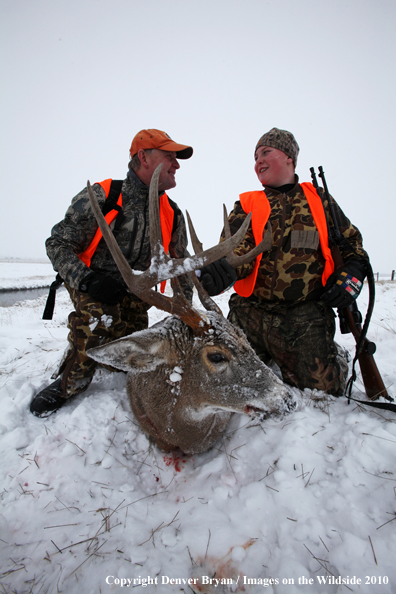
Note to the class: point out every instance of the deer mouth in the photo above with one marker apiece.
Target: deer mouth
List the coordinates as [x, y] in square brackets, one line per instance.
[255, 411]
[287, 407]
[249, 409]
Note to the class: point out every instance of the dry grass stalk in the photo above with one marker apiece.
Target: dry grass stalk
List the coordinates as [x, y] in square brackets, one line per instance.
[323, 563]
[160, 527]
[372, 548]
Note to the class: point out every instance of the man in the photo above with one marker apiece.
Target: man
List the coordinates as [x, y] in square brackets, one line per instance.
[104, 309]
[284, 299]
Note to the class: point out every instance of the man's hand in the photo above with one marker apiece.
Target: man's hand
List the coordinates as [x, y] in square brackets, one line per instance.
[103, 287]
[344, 285]
[217, 277]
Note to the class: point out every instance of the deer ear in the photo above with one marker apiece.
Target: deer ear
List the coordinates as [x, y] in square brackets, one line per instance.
[141, 351]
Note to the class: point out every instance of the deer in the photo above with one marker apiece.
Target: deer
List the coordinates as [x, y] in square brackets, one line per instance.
[189, 373]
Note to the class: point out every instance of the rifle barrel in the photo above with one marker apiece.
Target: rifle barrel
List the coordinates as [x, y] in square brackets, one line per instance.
[330, 203]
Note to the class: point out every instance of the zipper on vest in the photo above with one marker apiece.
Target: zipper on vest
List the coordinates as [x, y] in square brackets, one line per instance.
[274, 276]
[141, 243]
[133, 239]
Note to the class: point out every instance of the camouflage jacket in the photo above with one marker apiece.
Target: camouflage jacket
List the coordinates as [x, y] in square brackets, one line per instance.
[74, 234]
[292, 269]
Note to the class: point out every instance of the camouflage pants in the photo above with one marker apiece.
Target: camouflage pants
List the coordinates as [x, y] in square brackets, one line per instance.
[91, 324]
[299, 339]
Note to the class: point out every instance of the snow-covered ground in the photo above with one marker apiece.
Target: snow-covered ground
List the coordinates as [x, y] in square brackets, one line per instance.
[25, 275]
[89, 506]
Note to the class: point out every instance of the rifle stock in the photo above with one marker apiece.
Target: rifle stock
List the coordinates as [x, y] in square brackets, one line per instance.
[372, 380]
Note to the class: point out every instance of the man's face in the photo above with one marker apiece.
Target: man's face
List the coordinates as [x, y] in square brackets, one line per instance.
[273, 167]
[169, 168]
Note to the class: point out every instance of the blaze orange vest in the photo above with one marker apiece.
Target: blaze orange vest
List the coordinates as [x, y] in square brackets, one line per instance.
[166, 216]
[258, 204]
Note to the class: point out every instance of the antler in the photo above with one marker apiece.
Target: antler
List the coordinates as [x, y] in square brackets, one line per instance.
[233, 260]
[163, 267]
[264, 245]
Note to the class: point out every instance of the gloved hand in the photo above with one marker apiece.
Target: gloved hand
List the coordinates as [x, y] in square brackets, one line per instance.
[217, 277]
[103, 287]
[344, 285]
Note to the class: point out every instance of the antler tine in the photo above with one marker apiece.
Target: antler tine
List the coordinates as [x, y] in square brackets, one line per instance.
[118, 256]
[197, 245]
[130, 278]
[232, 259]
[220, 250]
[227, 230]
[264, 245]
[154, 215]
[203, 295]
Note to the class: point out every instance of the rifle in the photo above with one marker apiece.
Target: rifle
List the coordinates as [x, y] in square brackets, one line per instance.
[350, 317]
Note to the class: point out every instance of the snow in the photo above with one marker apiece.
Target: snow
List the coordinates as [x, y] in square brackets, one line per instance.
[25, 275]
[88, 505]
[175, 376]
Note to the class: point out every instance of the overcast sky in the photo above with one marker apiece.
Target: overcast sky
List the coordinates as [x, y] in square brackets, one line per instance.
[81, 77]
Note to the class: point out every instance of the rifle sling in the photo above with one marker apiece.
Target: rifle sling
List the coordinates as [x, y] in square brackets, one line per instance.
[383, 405]
[50, 304]
[362, 337]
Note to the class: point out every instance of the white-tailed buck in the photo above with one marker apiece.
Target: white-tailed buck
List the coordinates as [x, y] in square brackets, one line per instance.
[190, 372]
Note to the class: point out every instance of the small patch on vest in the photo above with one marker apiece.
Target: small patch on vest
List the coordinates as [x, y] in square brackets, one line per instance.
[308, 240]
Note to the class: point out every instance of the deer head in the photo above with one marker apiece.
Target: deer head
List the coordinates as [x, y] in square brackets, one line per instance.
[189, 373]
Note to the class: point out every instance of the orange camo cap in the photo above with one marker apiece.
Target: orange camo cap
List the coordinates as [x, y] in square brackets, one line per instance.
[156, 139]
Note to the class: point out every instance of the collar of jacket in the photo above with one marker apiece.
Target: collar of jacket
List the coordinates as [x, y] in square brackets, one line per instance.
[136, 188]
[274, 191]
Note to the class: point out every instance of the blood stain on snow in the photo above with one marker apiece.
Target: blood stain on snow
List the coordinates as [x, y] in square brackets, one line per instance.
[175, 461]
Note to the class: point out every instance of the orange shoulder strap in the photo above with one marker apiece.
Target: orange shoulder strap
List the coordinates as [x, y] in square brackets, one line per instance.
[86, 255]
[167, 215]
[319, 215]
[257, 203]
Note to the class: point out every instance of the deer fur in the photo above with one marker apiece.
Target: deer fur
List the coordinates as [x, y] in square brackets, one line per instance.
[184, 389]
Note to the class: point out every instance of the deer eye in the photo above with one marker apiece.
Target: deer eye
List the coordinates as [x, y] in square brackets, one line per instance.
[217, 358]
